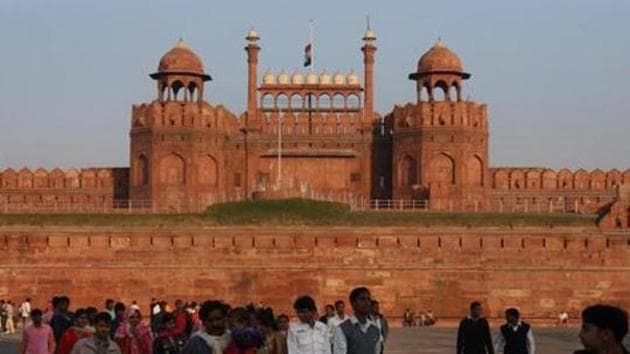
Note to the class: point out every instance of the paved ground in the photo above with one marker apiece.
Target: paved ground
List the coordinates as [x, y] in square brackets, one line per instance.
[427, 340]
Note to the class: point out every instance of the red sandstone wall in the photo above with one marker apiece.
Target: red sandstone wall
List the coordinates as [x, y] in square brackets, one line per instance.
[542, 271]
[539, 189]
[78, 190]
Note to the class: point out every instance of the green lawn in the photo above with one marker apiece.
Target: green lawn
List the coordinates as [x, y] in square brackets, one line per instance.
[296, 212]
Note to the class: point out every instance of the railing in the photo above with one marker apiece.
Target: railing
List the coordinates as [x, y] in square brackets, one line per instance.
[126, 206]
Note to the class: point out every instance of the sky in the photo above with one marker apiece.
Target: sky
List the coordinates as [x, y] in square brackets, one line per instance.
[555, 74]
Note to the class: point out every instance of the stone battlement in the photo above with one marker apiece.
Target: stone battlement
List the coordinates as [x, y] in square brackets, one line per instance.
[438, 268]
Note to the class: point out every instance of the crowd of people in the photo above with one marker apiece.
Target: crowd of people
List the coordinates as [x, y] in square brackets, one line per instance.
[210, 327]
[214, 327]
[425, 319]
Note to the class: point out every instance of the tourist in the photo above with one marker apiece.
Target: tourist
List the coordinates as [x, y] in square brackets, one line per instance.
[80, 329]
[134, 305]
[61, 319]
[408, 320]
[246, 338]
[38, 338]
[360, 333]
[381, 322]
[25, 311]
[156, 320]
[3, 316]
[473, 335]
[283, 324]
[169, 341]
[91, 313]
[214, 337]
[100, 342]
[109, 308]
[183, 322]
[603, 330]
[119, 317]
[335, 321]
[430, 318]
[329, 312]
[308, 336]
[132, 336]
[515, 337]
[563, 319]
[275, 342]
[9, 324]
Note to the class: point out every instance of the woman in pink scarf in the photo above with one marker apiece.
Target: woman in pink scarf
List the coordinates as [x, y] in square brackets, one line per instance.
[133, 336]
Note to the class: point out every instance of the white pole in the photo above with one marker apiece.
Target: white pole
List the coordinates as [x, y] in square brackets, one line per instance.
[279, 179]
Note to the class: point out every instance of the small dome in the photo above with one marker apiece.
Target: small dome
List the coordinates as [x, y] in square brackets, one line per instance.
[283, 78]
[353, 79]
[325, 78]
[312, 78]
[339, 79]
[252, 35]
[181, 59]
[439, 58]
[269, 78]
[297, 78]
[370, 35]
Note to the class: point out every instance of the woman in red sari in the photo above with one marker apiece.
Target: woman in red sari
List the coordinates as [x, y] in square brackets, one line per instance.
[81, 329]
[133, 336]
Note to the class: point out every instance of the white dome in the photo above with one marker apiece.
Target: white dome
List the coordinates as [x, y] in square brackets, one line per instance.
[324, 78]
[269, 78]
[339, 79]
[283, 78]
[297, 78]
[252, 35]
[353, 79]
[312, 78]
[370, 35]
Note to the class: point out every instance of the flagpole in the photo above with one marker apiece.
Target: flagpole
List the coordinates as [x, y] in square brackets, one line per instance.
[279, 178]
[312, 46]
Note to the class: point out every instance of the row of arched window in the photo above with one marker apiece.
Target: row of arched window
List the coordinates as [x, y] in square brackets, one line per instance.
[322, 101]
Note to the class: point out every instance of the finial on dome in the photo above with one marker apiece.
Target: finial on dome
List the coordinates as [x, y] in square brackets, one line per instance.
[440, 43]
[181, 44]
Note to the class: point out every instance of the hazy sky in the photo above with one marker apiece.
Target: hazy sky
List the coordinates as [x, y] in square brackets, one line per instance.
[555, 74]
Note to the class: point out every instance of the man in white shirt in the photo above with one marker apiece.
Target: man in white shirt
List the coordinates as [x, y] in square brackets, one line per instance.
[515, 337]
[359, 334]
[309, 336]
[25, 311]
[339, 317]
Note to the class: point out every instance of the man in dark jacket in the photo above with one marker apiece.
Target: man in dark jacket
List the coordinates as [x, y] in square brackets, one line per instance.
[603, 330]
[515, 337]
[473, 336]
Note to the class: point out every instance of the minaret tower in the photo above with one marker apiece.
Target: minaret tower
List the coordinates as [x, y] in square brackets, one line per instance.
[369, 50]
[252, 50]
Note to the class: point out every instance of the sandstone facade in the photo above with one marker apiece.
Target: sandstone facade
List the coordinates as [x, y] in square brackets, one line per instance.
[540, 270]
[312, 135]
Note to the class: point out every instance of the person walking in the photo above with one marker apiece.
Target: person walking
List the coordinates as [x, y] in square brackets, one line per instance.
[25, 311]
[214, 337]
[309, 336]
[10, 313]
[473, 335]
[100, 342]
[359, 334]
[80, 330]
[603, 330]
[515, 337]
[38, 338]
[134, 337]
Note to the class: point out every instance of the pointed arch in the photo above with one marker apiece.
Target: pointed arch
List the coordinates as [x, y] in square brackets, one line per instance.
[208, 170]
[475, 170]
[141, 175]
[443, 168]
[172, 170]
[408, 171]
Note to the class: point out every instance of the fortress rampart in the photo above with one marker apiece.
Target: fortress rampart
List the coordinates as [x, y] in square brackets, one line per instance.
[540, 270]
